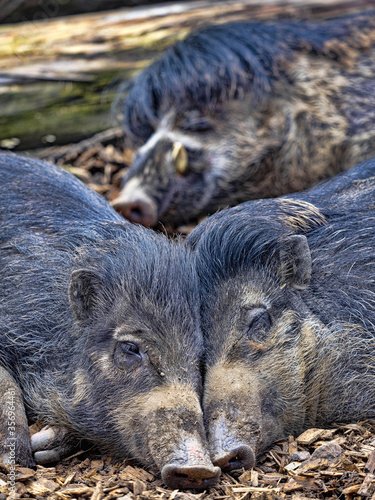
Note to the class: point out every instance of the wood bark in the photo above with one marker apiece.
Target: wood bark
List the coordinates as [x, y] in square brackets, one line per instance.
[32, 10]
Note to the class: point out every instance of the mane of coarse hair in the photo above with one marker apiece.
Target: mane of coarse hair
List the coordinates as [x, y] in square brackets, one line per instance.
[249, 235]
[141, 263]
[226, 61]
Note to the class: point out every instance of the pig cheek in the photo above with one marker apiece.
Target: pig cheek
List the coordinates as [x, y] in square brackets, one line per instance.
[272, 418]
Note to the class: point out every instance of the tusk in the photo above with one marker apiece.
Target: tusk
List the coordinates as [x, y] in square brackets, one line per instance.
[179, 157]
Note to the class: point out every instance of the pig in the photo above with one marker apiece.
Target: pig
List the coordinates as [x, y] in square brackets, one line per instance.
[288, 315]
[240, 111]
[100, 333]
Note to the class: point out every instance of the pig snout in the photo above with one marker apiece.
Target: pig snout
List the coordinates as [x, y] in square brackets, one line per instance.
[135, 205]
[233, 417]
[198, 477]
[193, 470]
[169, 435]
[227, 451]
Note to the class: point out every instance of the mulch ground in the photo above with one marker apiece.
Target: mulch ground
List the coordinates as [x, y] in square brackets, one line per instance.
[319, 464]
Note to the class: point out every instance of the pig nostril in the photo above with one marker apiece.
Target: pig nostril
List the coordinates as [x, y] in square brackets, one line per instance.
[233, 462]
[241, 457]
[198, 477]
[137, 211]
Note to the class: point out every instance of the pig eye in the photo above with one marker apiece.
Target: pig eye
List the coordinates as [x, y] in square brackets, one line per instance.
[129, 348]
[127, 355]
[201, 127]
[196, 123]
[259, 323]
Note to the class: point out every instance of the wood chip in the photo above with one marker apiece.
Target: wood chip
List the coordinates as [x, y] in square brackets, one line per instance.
[368, 486]
[330, 451]
[328, 434]
[370, 465]
[97, 464]
[136, 473]
[272, 479]
[249, 476]
[41, 486]
[292, 466]
[76, 489]
[23, 473]
[254, 478]
[69, 478]
[249, 489]
[310, 436]
[300, 456]
[138, 487]
[97, 494]
[81, 173]
[293, 447]
[319, 463]
[182, 495]
[351, 489]
[300, 497]
[292, 486]
[331, 473]
[308, 482]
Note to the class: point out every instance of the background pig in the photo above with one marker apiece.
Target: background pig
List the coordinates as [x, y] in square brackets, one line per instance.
[99, 332]
[288, 315]
[248, 110]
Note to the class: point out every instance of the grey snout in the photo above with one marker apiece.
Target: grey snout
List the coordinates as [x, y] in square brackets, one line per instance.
[135, 205]
[136, 211]
[198, 477]
[240, 457]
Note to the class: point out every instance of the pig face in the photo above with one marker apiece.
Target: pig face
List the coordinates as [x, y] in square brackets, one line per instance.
[196, 162]
[136, 388]
[142, 365]
[260, 109]
[259, 347]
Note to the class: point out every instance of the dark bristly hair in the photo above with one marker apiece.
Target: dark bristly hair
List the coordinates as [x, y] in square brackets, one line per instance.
[336, 217]
[226, 61]
[235, 239]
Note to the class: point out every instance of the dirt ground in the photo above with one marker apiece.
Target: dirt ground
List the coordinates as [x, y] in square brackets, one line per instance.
[319, 464]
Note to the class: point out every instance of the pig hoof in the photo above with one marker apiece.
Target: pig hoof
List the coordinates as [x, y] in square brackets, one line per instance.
[47, 438]
[199, 477]
[51, 444]
[48, 456]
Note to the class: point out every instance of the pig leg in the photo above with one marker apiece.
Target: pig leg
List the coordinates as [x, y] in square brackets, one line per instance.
[51, 444]
[14, 428]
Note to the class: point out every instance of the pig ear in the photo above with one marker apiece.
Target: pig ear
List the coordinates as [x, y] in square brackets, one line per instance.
[295, 261]
[84, 289]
